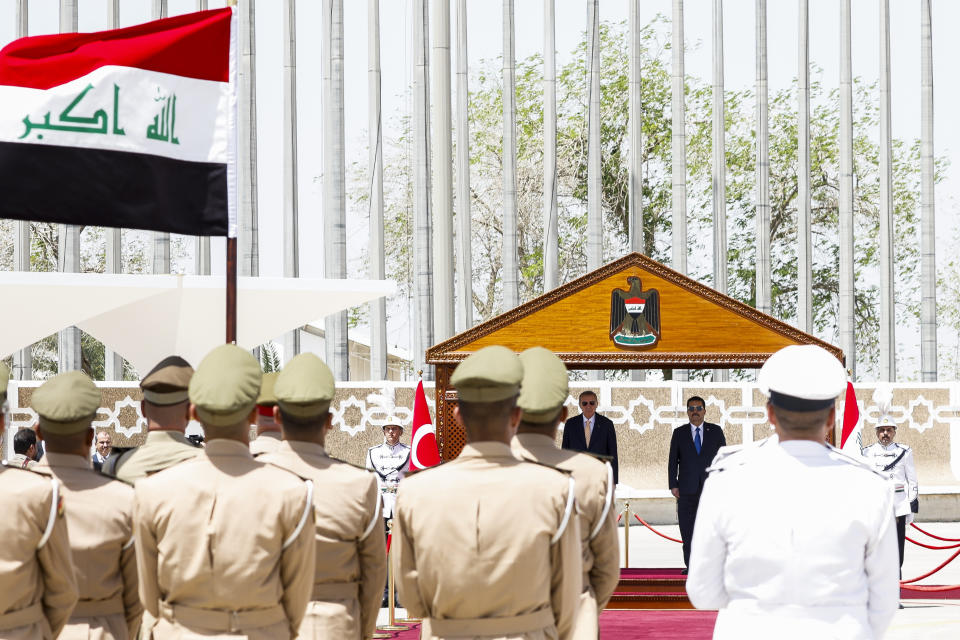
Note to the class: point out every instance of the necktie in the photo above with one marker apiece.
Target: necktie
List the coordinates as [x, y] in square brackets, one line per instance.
[696, 441]
[586, 432]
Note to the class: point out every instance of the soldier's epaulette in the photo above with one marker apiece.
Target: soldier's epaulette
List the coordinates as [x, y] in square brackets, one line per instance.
[839, 455]
[413, 472]
[599, 456]
[6, 464]
[905, 447]
[734, 455]
[277, 466]
[355, 466]
[549, 466]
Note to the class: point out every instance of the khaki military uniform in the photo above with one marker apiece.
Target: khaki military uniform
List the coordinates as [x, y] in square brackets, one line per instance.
[223, 546]
[488, 546]
[22, 461]
[37, 587]
[351, 555]
[162, 449]
[266, 442]
[598, 524]
[99, 517]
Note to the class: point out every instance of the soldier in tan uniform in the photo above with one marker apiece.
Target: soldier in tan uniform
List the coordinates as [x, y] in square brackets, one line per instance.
[268, 429]
[542, 395]
[224, 545]
[167, 410]
[351, 554]
[37, 587]
[487, 545]
[24, 449]
[99, 512]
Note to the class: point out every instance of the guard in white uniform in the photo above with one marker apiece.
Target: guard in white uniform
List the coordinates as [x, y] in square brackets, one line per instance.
[390, 461]
[795, 539]
[894, 461]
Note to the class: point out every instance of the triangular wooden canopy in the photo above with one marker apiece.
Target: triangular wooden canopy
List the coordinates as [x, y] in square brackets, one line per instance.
[698, 327]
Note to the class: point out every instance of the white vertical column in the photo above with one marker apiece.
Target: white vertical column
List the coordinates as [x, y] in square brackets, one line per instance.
[719, 167]
[201, 244]
[334, 182]
[888, 342]
[636, 132]
[160, 262]
[551, 222]
[464, 232]
[511, 284]
[678, 147]
[928, 238]
[443, 175]
[378, 308]
[594, 177]
[113, 362]
[804, 237]
[291, 202]
[69, 237]
[22, 359]
[248, 250]
[763, 303]
[846, 321]
[422, 253]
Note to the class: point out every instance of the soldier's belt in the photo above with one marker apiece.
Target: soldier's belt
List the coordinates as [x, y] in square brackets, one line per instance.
[335, 591]
[388, 489]
[22, 617]
[90, 608]
[514, 625]
[217, 620]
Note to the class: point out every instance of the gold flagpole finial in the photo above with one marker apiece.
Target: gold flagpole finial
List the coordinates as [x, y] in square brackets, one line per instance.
[420, 373]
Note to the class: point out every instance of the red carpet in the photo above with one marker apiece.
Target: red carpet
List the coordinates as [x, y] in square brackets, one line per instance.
[626, 625]
[913, 594]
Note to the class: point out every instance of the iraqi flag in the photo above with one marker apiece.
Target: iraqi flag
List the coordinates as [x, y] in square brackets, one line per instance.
[423, 440]
[132, 128]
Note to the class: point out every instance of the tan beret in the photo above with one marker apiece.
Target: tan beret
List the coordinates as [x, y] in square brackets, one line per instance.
[66, 403]
[544, 388]
[267, 397]
[305, 387]
[491, 374]
[4, 380]
[167, 383]
[225, 386]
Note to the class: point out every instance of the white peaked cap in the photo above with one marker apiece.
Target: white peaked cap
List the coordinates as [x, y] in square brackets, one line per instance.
[802, 378]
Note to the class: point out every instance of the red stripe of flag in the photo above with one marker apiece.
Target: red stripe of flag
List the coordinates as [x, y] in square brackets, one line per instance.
[194, 45]
[851, 414]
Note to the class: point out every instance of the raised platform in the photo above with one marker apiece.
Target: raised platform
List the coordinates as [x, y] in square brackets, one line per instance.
[650, 589]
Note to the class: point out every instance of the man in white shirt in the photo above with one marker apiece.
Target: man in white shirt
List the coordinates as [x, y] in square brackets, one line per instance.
[776, 547]
[390, 461]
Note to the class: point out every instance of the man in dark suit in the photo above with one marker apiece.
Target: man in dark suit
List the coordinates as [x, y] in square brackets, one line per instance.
[591, 432]
[692, 449]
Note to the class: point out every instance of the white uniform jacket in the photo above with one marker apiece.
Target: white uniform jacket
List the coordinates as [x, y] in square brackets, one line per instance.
[795, 540]
[390, 464]
[902, 475]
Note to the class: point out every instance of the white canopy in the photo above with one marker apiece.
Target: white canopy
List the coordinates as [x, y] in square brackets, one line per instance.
[145, 318]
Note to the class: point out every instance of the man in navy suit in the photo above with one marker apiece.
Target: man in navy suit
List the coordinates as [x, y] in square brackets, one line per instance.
[692, 449]
[591, 432]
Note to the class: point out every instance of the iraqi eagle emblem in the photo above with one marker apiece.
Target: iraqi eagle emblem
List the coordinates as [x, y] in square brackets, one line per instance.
[635, 316]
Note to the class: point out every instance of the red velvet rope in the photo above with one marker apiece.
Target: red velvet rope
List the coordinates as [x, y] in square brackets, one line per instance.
[619, 518]
[930, 546]
[927, 575]
[920, 587]
[662, 535]
[914, 525]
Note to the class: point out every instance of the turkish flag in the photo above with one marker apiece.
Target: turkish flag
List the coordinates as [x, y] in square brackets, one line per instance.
[851, 418]
[423, 451]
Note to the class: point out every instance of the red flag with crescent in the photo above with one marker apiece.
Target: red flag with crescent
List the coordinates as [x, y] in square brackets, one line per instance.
[423, 450]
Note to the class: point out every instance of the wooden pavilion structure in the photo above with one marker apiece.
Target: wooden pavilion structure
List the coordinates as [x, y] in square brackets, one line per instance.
[633, 313]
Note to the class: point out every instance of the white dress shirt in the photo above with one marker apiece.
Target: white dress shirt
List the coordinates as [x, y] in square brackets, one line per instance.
[693, 432]
[795, 540]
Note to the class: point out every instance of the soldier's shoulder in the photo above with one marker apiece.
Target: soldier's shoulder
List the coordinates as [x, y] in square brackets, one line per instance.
[584, 465]
[27, 478]
[346, 466]
[738, 455]
[903, 446]
[854, 462]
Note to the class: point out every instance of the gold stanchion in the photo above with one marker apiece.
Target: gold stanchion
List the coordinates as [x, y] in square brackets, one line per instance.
[391, 590]
[626, 535]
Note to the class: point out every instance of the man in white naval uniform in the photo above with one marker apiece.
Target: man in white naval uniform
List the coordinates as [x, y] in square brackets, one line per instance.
[390, 461]
[895, 462]
[795, 539]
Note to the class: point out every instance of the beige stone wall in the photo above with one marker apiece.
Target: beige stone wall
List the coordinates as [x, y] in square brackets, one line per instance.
[644, 414]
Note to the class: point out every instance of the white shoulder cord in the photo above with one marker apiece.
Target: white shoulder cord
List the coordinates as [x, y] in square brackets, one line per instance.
[607, 502]
[373, 521]
[566, 513]
[52, 520]
[303, 517]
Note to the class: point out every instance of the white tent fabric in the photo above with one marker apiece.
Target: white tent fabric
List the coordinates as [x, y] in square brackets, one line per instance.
[146, 318]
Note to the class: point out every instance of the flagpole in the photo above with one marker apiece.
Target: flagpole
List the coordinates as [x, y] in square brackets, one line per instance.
[231, 273]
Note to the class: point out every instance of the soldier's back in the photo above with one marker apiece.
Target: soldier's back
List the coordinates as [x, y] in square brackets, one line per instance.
[37, 584]
[99, 515]
[482, 531]
[161, 450]
[215, 529]
[351, 556]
